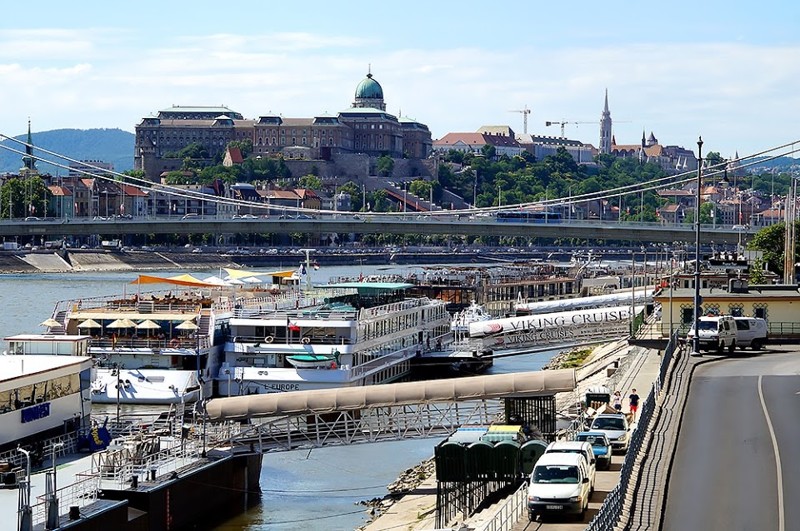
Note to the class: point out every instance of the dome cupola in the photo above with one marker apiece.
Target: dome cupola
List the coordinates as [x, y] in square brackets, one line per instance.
[369, 93]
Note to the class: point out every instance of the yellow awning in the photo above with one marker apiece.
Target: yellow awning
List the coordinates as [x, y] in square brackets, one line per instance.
[241, 273]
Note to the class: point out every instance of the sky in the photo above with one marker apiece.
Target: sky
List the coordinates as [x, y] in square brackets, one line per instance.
[726, 71]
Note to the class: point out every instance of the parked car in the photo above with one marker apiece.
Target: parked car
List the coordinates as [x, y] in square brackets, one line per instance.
[582, 448]
[191, 215]
[751, 332]
[601, 447]
[717, 332]
[615, 427]
[559, 483]
[33, 218]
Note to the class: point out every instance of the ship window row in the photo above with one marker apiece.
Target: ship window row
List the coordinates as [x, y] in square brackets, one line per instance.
[393, 324]
[29, 395]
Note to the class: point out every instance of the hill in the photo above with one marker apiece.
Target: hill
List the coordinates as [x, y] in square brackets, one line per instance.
[107, 145]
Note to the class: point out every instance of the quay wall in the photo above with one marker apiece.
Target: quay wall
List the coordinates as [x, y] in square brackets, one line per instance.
[196, 497]
[82, 260]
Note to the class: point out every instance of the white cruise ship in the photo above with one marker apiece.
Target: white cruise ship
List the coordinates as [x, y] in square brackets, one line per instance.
[44, 388]
[343, 334]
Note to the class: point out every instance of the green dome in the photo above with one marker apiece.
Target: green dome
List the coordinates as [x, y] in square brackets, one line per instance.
[369, 88]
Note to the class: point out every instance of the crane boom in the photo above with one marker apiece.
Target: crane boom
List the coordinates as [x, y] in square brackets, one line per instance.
[565, 122]
[525, 112]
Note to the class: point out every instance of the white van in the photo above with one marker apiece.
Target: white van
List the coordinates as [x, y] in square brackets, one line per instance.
[582, 448]
[559, 483]
[717, 332]
[751, 332]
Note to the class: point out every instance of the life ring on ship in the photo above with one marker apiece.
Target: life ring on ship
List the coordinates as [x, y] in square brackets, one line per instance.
[174, 343]
[268, 339]
[305, 340]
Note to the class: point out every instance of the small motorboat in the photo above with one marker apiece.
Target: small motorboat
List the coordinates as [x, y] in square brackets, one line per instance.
[311, 361]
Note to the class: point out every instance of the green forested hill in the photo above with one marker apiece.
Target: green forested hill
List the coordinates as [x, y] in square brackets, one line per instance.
[107, 145]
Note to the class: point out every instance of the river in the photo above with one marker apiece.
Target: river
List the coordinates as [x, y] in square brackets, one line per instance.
[302, 490]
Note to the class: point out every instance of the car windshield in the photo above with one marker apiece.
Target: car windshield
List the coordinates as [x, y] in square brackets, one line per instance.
[608, 423]
[594, 440]
[708, 325]
[555, 474]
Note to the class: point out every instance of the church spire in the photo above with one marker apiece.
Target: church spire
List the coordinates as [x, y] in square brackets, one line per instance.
[605, 128]
[29, 161]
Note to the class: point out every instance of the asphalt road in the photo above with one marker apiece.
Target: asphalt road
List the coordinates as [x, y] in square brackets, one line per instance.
[737, 466]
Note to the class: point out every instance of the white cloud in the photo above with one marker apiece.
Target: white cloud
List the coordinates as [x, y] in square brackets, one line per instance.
[738, 96]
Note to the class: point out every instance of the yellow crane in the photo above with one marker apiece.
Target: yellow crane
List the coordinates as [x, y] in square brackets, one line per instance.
[525, 112]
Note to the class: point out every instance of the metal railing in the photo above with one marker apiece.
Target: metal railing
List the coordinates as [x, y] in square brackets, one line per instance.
[609, 514]
[82, 492]
[509, 513]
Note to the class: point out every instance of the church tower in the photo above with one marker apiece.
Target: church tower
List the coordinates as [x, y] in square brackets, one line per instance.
[605, 129]
[29, 161]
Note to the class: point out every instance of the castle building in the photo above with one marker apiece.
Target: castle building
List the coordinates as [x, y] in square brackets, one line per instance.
[673, 159]
[365, 127]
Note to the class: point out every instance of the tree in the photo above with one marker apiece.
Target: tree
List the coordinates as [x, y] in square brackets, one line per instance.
[21, 197]
[191, 151]
[756, 272]
[384, 165]
[770, 241]
[310, 181]
[489, 151]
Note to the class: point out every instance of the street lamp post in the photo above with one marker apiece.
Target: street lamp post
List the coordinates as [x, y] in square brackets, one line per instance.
[696, 338]
[52, 499]
[25, 513]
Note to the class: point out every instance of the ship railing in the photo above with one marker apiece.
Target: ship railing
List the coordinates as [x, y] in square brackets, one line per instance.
[119, 465]
[153, 343]
[291, 304]
[293, 313]
[393, 307]
[80, 493]
[313, 340]
[383, 361]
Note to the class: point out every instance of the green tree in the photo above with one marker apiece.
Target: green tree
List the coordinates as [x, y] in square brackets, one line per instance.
[756, 272]
[384, 165]
[310, 181]
[489, 151]
[24, 196]
[191, 151]
[770, 241]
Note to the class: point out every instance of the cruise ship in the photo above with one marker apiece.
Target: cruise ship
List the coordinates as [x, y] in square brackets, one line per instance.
[44, 388]
[155, 348]
[339, 335]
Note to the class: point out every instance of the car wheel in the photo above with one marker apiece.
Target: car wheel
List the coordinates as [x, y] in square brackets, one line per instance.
[732, 348]
[756, 344]
[531, 516]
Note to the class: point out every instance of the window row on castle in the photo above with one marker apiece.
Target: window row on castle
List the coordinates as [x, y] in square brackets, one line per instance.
[304, 142]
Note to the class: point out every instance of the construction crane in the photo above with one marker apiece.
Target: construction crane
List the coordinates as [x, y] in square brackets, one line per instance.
[563, 123]
[525, 112]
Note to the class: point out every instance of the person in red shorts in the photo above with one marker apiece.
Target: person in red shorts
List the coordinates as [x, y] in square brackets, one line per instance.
[633, 403]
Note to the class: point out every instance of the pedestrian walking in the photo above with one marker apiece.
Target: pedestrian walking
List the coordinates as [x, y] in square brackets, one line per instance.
[633, 401]
[617, 401]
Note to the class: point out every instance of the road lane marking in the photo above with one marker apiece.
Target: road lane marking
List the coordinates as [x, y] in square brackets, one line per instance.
[781, 523]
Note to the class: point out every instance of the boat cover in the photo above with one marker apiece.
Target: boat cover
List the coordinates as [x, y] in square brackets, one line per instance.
[406, 393]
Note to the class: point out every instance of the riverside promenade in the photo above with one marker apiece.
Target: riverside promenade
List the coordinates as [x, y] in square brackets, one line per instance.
[637, 368]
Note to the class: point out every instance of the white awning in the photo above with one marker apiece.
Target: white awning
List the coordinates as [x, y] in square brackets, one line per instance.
[407, 393]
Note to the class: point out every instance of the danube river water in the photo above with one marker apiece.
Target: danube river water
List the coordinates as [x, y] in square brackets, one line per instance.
[302, 490]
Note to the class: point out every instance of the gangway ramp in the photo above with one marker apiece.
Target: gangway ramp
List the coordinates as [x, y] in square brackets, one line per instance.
[284, 421]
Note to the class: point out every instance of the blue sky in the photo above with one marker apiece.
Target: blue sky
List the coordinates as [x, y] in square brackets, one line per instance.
[728, 71]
